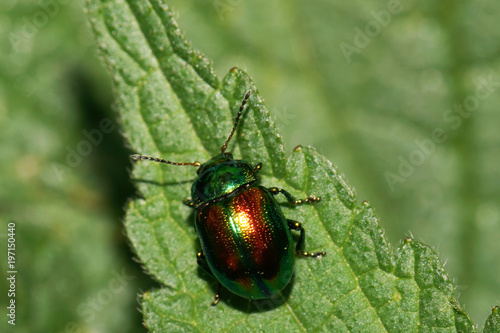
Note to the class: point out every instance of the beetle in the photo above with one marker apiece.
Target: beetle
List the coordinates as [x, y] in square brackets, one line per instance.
[245, 238]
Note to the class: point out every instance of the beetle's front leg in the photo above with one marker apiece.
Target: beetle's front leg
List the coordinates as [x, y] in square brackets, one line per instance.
[299, 248]
[188, 202]
[202, 262]
[291, 199]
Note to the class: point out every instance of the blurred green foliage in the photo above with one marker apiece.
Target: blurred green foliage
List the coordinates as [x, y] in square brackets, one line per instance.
[366, 115]
[62, 183]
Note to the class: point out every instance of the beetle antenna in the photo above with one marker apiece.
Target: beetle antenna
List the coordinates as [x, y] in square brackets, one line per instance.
[138, 157]
[243, 102]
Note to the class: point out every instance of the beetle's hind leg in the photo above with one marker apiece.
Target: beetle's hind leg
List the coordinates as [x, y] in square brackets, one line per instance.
[217, 295]
[291, 199]
[202, 262]
[299, 248]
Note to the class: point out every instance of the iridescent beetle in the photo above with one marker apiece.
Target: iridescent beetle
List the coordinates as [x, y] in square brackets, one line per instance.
[245, 238]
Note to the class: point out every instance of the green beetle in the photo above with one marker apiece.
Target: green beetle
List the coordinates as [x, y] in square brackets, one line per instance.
[245, 238]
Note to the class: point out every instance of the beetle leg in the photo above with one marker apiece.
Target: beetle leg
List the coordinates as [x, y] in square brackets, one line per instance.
[188, 202]
[217, 296]
[291, 199]
[257, 168]
[202, 262]
[299, 248]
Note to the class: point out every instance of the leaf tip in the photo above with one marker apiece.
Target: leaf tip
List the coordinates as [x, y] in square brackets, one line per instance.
[492, 323]
[408, 240]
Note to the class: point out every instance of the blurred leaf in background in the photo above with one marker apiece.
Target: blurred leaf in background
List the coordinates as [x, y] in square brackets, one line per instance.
[63, 177]
[401, 95]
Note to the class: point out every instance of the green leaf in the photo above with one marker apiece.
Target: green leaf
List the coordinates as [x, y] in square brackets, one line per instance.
[493, 322]
[370, 113]
[173, 106]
